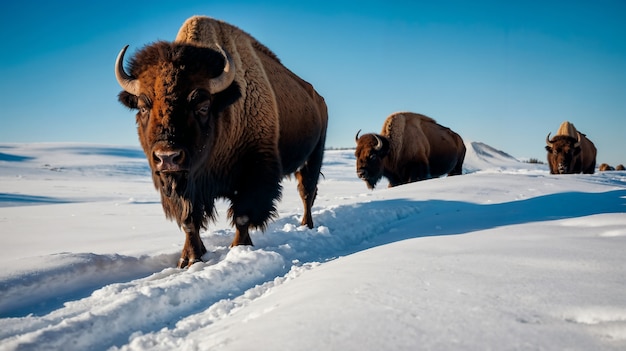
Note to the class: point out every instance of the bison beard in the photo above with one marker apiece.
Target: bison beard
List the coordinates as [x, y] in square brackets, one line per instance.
[171, 183]
[370, 179]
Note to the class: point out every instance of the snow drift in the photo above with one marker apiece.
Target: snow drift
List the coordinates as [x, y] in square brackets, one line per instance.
[504, 257]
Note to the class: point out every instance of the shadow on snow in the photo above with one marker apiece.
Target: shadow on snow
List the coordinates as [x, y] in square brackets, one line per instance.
[13, 158]
[9, 200]
[352, 228]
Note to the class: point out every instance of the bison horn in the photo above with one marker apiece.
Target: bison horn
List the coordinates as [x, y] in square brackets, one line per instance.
[224, 80]
[577, 140]
[128, 83]
[548, 142]
[379, 143]
[356, 138]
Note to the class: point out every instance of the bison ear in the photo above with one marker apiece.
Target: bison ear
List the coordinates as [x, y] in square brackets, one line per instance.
[548, 148]
[127, 99]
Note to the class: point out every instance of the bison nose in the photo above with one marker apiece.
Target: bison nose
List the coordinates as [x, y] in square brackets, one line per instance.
[362, 173]
[168, 160]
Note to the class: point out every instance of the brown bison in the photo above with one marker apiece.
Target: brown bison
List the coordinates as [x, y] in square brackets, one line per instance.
[620, 167]
[605, 167]
[219, 116]
[410, 147]
[569, 151]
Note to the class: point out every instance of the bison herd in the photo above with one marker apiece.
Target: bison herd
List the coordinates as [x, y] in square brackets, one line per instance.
[219, 116]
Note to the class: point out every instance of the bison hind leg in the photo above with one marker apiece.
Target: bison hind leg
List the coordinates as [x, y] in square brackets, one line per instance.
[457, 170]
[308, 176]
[308, 191]
[590, 170]
[242, 234]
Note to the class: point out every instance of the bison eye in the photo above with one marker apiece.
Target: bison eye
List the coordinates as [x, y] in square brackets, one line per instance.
[143, 105]
[373, 156]
[202, 112]
[144, 115]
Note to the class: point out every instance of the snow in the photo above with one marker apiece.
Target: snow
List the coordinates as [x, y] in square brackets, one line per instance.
[504, 257]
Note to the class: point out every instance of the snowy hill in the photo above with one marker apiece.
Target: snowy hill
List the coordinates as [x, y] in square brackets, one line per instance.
[482, 157]
[505, 257]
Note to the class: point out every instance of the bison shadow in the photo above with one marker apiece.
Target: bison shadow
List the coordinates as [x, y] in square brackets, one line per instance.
[14, 158]
[10, 200]
[111, 151]
[376, 223]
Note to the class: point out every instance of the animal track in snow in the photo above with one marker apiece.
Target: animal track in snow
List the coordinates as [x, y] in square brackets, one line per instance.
[608, 323]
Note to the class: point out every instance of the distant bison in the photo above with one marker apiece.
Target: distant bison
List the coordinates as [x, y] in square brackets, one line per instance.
[410, 147]
[605, 167]
[620, 167]
[219, 116]
[569, 151]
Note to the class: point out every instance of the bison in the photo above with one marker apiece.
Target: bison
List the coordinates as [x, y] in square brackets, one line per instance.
[605, 167]
[219, 116]
[569, 151]
[410, 147]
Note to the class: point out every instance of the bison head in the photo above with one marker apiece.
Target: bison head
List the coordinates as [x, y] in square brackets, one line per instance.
[563, 153]
[370, 151]
[178, 91]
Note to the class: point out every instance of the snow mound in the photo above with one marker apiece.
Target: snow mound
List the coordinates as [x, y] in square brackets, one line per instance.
[482, 157]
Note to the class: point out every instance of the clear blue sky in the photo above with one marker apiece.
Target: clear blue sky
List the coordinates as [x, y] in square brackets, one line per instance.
[501, 72]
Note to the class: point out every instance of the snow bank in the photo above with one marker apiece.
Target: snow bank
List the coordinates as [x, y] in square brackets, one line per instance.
[504, 257]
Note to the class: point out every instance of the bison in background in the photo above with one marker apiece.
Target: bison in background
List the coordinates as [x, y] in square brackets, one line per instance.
[219, 116]
[605, 167]
[410, 147]
[569, 151]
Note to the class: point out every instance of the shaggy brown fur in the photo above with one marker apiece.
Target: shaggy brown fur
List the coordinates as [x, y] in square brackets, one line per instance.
[237, 143]
[413, 147]
[570, 151]
[567, 129]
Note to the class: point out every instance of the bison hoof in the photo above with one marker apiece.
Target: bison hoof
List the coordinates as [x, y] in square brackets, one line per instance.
[186, 263]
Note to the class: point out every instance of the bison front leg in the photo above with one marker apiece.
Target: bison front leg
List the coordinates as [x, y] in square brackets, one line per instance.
[418, 171]
[194, 248]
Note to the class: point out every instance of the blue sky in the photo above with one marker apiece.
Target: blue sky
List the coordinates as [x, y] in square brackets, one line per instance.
[501, 72]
